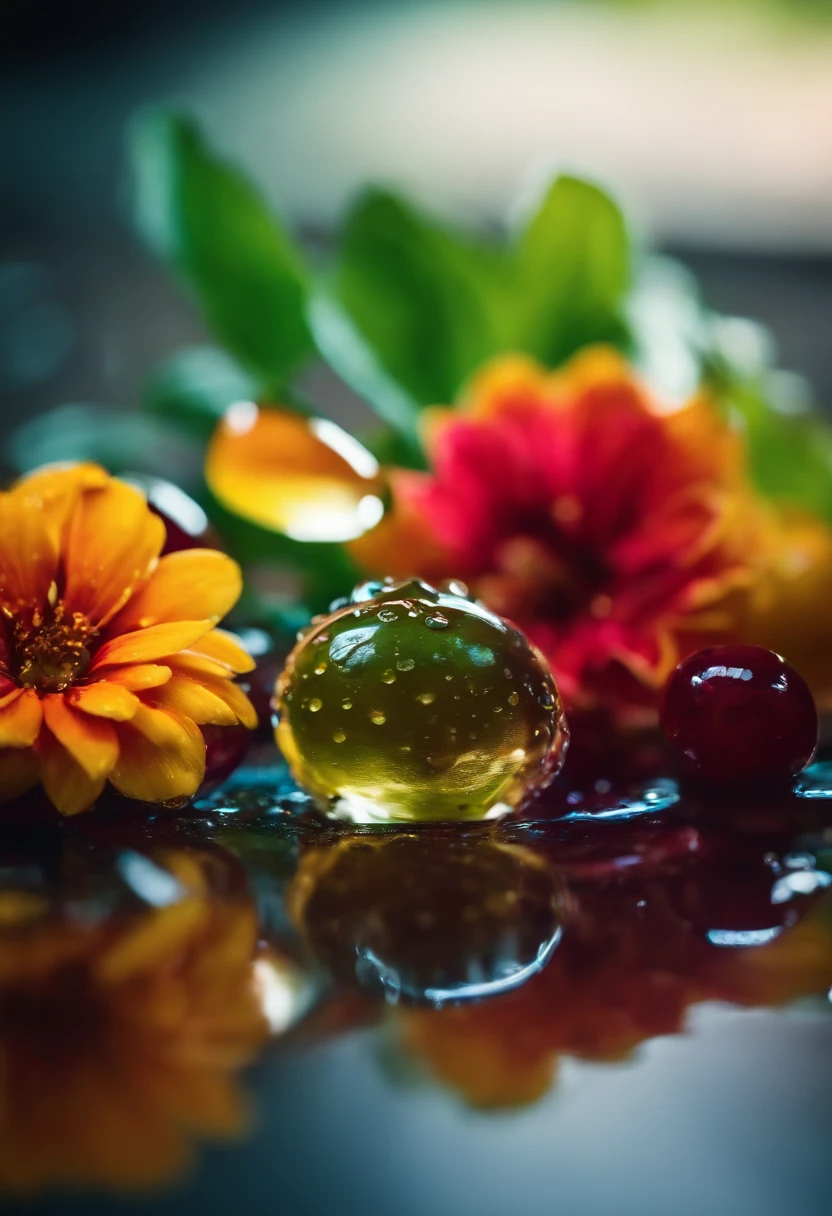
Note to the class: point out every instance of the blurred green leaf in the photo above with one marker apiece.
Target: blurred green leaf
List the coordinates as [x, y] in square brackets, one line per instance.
[348, 353]
[209, 223]
[196, 386]
[121, 442]
[574, 265]
[419, 295]
[790, 455]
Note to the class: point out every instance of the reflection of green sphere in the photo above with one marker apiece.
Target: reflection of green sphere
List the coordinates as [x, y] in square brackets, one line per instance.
[414, 704]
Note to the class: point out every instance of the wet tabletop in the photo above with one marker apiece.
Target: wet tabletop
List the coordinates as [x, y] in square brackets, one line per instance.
[616, 999]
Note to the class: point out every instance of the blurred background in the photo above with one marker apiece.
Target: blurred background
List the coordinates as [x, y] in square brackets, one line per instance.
[711, 118]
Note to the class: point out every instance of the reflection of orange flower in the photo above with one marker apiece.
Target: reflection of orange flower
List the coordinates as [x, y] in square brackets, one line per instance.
[109, 659]
[120, 1039]
[618, 537]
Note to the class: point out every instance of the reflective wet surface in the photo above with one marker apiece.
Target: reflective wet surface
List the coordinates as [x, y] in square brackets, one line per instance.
[615, 999]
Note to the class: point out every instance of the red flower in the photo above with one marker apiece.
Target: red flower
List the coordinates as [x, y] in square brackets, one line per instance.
[616, 536]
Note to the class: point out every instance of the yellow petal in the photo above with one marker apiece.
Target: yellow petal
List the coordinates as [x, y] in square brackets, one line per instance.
[145, 645]
[140, 677]
[304, 477]
[190, 698]
[160, 757]
[234, 698]
[57, 487]
[192, 583]
[20, 721]
[68, 786]
[106, 699]
[90, 741]
[224, 647]
[113, 540]
[28, 556]
[19, 772]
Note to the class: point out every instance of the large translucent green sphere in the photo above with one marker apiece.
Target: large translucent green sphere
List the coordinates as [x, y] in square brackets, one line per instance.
[409, 704]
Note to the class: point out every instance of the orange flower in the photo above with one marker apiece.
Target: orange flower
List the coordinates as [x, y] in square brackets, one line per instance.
[109, 657]
[618, 536]
[121, 1038]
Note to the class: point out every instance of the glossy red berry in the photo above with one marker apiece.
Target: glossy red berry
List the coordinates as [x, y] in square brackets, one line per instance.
[225, 750]
[186, 524]
[740, 715]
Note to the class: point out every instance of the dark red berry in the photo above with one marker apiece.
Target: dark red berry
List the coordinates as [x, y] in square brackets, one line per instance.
[225, 750]
[185, 521]
[740, 715]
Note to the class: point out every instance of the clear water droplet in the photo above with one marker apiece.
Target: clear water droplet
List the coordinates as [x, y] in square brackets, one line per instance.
[513, 698]
[315, 704]
[346, 704]
[498, 709]
[427, 698]
[388, 677]
[437, 621]
[338, 736]
[405, 664]
[321, 668]
[378, 717]
[387, 615]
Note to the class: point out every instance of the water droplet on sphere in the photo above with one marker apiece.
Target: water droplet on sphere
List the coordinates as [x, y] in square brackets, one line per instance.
[513, 698]
[387, 615]
[388, 677]
[405, 664]
[437, 621]
[338, 736]
[427, 698]
[315, 704]
[378, 717]
[347, 704]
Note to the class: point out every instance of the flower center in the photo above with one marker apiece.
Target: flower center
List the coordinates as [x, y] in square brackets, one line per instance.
[52, 652]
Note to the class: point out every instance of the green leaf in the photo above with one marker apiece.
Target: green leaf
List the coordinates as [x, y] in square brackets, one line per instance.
[121, 442]
[196, 386]
[209, 223]
[348, 353]
[790, 456]
[420, 297]
[574, 264]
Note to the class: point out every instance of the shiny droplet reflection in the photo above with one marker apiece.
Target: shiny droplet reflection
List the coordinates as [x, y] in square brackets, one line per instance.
[430, 917]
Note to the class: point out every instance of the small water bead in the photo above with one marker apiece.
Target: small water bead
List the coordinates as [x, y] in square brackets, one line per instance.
[388, 677]
[408, 665]
[387, 615]
[427, 698]
[338, 736]
[437, 621]
[514, 698]
[315, 704]
[377, 716]
[321, 668]
[346, 704]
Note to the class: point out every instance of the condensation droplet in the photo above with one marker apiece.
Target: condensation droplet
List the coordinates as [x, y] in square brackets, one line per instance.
[427, 698]
[405, 664]
[507, 672]
[321, 668]
[347, 704]
[378, 717]
[338, 736]
[437, 621]
[514, 698]
[498, 709]
[388, 677]
[315, 704]
[387, 615]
